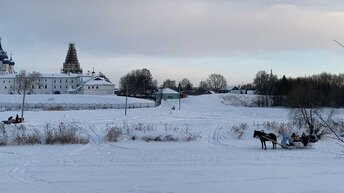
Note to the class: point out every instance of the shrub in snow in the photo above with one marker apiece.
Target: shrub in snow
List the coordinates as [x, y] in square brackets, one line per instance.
[239, 100]
[18, 135]
[114, 134]
[170, 138]
[150, 132]
[238, 131]
[279, 128]
[3, 135]
[142, 127]
[64, 134]
[22, 136]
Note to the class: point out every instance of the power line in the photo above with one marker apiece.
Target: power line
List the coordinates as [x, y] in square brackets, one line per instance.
[338, 43]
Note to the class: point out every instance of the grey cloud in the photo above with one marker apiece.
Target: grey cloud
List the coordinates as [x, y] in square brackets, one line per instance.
[174, 28]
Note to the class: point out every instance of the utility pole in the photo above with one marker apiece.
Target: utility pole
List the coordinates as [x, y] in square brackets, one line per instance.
[126, 101]
[179, 94]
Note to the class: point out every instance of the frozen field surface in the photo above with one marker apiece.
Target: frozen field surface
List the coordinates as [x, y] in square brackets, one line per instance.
[216, 162]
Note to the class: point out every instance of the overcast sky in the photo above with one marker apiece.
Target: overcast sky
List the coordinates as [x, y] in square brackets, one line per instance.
[177, 39]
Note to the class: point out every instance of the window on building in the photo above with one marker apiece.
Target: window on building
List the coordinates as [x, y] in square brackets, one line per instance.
[9, 81]
[60, 86]
[89, 87]
[33, 86]
[66, 81]
[92, 87]
[54, 81]
[71, 81]
[45, 86]
[96, 87]
[5, 87]
[66, 86]
[45, 80]
[60, 81]
[54, 87]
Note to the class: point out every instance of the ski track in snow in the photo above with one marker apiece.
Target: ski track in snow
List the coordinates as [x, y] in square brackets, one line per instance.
[218, 135]
[215, 163]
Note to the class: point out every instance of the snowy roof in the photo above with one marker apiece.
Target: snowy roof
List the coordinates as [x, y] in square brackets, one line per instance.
[97, 81]
[168, 91]
[50, 75]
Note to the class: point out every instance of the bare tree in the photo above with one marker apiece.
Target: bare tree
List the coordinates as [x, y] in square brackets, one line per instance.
[332, 125]
[24, 83]
[138, 82]
[170, 84]
[216, 82]
[203, 87]
[315, 120]
[186, 85]
[308, 111]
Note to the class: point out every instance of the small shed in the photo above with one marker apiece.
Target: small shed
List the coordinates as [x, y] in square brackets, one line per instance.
[167, 93]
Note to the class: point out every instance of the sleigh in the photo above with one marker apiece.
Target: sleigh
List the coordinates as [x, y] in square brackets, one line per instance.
[304, 143]
[13, 121]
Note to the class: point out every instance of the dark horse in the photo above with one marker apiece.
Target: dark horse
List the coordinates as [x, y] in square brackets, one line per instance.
[266, 137]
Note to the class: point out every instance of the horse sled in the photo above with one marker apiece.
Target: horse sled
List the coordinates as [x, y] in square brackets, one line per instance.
[287, 142]
[10, 120]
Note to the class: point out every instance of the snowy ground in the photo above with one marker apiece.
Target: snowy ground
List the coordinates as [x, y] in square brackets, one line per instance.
[69, 98]
[216, 162]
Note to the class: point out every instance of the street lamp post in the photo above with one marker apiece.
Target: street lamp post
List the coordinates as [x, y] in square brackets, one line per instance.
[126, 101]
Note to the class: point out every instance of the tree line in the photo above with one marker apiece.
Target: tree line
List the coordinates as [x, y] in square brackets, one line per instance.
[318, 90]
[140, 83]
[321, 90]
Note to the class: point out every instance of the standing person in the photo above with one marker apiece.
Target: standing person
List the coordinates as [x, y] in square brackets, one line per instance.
[17, 118]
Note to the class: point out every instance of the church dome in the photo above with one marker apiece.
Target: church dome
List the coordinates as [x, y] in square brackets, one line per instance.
[3, 54]
[6, 61]
[11, 62]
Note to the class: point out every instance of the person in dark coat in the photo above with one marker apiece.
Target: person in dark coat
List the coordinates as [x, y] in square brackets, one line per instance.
[10, 118]
[17, 118]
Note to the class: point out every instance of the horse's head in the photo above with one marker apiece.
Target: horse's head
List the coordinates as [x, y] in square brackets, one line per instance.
[255, 133]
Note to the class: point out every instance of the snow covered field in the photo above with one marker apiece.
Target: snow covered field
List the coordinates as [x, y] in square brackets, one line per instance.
[215, 162]
[72, 98]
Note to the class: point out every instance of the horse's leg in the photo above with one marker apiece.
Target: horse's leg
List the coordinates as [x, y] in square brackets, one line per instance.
[264, 144]
[261, 141]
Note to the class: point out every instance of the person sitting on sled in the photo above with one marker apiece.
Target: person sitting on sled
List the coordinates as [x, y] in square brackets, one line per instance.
[293, 138]
[304, 139]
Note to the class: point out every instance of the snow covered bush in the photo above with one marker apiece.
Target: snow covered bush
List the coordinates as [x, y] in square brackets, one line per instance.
[170, 138]
[238, 131]
[18, 135]
[64, 134]
[114, 134]
[150, 132]
[279, 128]
[239, 100]
[3, 135]
[23, 136]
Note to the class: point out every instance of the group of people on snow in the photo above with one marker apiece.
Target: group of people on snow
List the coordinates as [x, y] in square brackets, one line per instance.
[11, 120]
[296, 140]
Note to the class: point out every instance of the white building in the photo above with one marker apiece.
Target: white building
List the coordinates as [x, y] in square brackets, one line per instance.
[69, 81]
[98, 86]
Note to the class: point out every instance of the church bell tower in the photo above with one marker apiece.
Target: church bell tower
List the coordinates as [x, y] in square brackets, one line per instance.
[71, 64]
